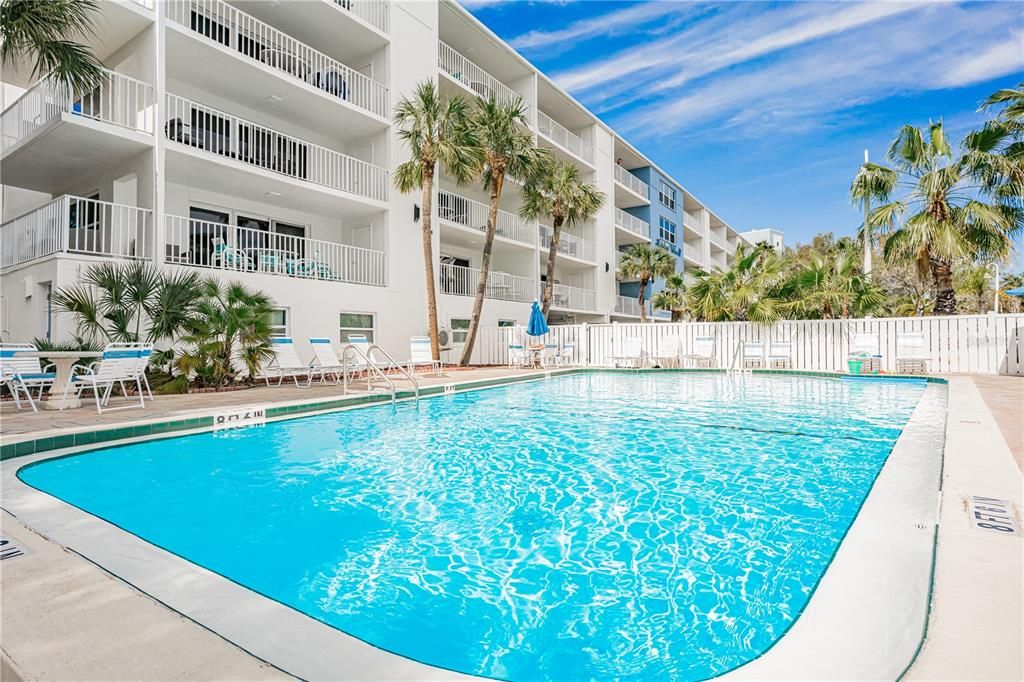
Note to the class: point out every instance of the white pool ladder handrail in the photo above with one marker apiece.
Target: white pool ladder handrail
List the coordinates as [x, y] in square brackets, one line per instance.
[371, 368]
[387, 356]
[733, 369]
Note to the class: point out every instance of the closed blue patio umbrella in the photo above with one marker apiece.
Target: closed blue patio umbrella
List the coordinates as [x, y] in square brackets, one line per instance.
[1019, 291]
[537, 326]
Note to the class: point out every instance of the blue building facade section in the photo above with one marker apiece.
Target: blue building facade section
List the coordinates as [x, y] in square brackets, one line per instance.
[665, 217]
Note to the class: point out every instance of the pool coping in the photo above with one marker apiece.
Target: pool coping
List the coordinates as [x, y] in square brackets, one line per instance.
[215, 602]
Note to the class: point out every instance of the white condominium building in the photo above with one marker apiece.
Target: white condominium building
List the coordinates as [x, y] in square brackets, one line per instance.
[252, 141]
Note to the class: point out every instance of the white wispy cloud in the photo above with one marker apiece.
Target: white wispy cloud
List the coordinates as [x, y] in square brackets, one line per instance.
[998, 60]
[613, 23]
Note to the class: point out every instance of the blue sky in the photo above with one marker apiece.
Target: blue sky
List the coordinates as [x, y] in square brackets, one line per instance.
[764, 109]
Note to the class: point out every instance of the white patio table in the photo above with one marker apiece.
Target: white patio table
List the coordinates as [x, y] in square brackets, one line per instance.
[62, 361]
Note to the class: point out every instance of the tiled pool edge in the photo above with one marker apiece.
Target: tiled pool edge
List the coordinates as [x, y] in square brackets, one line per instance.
[140, 564]
[26, 444]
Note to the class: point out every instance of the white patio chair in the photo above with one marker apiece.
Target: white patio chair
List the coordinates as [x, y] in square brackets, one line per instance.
[422, 355]
[632, 355]
[325, 360]
[286, 363]
[549, 355]
[911, 353]
[519, 356]
[865, 347]
[567, 356]
[22, 373]
[121, 364]
[753, 355]
[669, 349]
[780, 355]
[703, 354]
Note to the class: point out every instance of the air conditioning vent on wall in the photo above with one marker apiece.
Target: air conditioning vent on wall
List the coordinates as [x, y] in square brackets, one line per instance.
[444, 338]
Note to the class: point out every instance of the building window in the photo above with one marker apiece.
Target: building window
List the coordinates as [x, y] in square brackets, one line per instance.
[667, 194]
[506, 323]
[460, 329]
[357, 323]
[666, 230]
[279, 322]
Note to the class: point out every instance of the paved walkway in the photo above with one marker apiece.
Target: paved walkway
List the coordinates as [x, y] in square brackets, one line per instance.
[14, 422]
[1004, 396]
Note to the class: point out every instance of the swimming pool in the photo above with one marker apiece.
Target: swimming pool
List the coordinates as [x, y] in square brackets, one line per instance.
[590, 526]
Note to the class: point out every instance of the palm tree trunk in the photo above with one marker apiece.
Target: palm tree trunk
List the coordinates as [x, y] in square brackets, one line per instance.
[640, 299]
[549, 283]
[945, 297]
[428, 261]
[485, 269]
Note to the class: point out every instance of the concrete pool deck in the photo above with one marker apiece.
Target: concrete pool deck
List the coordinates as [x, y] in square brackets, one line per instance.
[975, 616]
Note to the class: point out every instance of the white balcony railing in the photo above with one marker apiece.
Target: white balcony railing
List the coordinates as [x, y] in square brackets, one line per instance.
[376, 13]
[691, 221]
[630, 223]
[564, 138]
[462, 281]
[220, 133]
[77, 225]
[631, 182]
[221, 23]
[568, 244]
[718, 241]
[199, 243]
[120, 100]
[569, 297]
[148, 4]
[473, 214]
[472, 76]
[627, 305]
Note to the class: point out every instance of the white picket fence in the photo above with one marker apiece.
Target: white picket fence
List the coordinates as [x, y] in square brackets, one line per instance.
[964, 344]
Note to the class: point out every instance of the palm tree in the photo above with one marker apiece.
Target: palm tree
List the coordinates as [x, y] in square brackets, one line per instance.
[502, 131]
[973, 280]
[830, 286]
[748, 290]
[129, 302]
[1012, 99]
[995, 154]
[672, 297]
[231, 327]
[939, 220]
[558, 191]
[646, 263]
[41, 32]
[436, 131]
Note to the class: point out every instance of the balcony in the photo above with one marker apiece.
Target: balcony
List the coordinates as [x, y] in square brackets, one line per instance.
[473, 215]
[472, 77]
[630, 190]
[631, 230]
[52, 139]
[462, 281]
[564, 138]
[214, 46]
[77, 225]
[626, 305]
[198, 243]
[376, 13]
[568, 245]
[719, 242]
[236, 141]
[565, 297]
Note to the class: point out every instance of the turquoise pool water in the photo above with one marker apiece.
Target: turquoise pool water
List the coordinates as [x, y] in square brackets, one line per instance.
[596, 526]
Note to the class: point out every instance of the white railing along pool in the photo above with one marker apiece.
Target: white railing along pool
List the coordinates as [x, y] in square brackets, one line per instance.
[228, 26]
[199, 243]
[220, 133]
[78, 225]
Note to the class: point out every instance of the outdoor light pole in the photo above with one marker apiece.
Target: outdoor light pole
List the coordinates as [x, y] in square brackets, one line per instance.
[867, 229]
[993, 267]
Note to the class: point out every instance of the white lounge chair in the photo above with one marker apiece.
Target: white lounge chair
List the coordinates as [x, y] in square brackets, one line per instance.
[865, 347]
[780, 355]
[22, 372]
[703, 354]
[122, 364]
[632, 353]
[422, 355]
[549, 355]
[753, 355]
[911, 353]
[669, 349]
[356, 362]
[567, 356]
[286, 363]
[325, 360]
